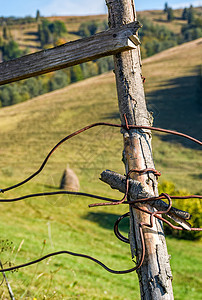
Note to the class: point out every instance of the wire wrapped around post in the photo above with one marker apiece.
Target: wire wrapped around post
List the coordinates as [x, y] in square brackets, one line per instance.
[156, 214]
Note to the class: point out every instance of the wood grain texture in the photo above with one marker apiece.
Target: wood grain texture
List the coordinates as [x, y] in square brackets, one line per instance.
[155, 274]
[102, 44]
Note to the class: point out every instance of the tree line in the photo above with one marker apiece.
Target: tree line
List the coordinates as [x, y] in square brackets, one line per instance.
[193, 29]
[49, 34]
[17, 21]
[154, 39]
[26, 89]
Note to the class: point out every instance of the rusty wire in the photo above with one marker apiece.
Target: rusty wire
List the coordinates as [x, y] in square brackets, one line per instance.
[113, 201]
[116, 229]
[138, 265]
[127, 127]
[127, 187]
[162, 196]
[74, 254]
[133, 202]
[143, 200]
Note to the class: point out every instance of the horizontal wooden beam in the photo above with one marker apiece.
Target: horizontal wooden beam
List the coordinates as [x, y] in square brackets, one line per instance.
[99, 45]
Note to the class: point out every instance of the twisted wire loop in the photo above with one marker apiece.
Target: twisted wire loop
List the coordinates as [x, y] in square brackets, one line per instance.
[163, 196]
[127, 186]
[116, 229]
[156, 214]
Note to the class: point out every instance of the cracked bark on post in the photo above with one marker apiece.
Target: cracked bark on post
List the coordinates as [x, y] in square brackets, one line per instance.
[155, 274]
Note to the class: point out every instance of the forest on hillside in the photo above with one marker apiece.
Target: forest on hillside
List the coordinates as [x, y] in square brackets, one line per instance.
[154, 39]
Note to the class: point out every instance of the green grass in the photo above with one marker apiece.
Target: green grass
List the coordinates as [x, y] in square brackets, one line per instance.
[29, 130]
[172, 93]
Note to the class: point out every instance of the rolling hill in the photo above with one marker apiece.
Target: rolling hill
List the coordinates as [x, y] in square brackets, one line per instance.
[27, 38]
[38, 226]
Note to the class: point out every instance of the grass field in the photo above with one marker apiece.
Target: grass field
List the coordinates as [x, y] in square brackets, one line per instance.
[39, 226]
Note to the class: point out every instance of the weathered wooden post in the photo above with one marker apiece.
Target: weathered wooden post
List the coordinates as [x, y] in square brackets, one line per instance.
[155, 274]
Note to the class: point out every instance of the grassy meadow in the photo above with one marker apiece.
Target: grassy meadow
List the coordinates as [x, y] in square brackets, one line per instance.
[35, 227]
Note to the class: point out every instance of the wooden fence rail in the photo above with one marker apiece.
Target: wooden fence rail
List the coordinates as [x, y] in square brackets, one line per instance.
[102, 44]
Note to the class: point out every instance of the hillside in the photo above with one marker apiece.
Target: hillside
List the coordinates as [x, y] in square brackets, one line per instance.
[172, 81]
[158, 17]
[173, 84]
[26, 34]
[27, 37]
[30, 129]
[23, 35]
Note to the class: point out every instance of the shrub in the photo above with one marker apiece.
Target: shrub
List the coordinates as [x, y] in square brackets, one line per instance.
[193, 206]
[49, 32]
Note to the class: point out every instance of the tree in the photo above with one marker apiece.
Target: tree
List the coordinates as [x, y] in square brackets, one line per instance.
[89, 69]
[88, 28]
[58, 27]
[190, 17]
[185, 14]
[38, 16]
[105, 64]
[32, 86]
[83, 30]
[5, 97]
[192, 31]
[15, 96]
[5, 31]
[170, 14]
[76, 73]
[93, 26]
[11, 50]
[166, 7]
[58, 80]
[50, 32]
[48, 36]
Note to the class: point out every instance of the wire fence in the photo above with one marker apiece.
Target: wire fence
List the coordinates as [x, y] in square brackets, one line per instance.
[125, 200]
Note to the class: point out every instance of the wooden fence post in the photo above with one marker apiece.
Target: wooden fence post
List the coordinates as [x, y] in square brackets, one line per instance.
[155, 276]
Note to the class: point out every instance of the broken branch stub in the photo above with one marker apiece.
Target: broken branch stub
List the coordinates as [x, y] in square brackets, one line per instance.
[137, 191]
